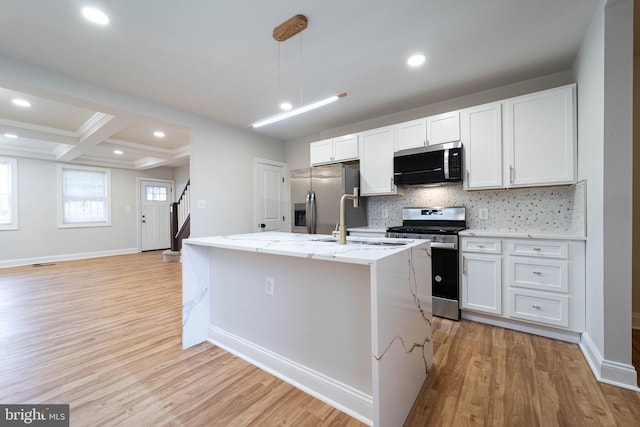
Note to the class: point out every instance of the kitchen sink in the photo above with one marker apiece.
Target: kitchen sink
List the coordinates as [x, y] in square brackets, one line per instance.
[360, 242]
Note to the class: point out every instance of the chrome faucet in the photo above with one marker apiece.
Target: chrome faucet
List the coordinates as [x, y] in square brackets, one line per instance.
[343, 226]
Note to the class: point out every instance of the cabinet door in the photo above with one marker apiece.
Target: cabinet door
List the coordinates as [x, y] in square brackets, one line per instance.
[321, 152]
[482, 283]
[376, 162]
[541, 138]
[443, 128]
[482, 141]
[411, 134]
[345, 148]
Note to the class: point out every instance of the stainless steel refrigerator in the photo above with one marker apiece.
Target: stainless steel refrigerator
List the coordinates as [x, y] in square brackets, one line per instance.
[315, 197]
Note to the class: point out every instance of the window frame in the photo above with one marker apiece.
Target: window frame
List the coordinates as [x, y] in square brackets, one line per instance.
[14, 199]
[61, 218]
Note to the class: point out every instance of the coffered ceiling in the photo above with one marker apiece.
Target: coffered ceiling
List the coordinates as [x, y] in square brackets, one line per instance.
[218, 59]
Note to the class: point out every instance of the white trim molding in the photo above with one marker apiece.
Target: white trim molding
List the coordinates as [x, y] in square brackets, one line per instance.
[607, 371]
[335, 393]
[65, 257]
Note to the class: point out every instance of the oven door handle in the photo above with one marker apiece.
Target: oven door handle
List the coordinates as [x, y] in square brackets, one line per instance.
[441, 245]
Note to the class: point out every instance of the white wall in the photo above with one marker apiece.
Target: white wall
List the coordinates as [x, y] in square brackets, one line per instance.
[40, 240]
[604, 73]
[181, 175]
[221, 165]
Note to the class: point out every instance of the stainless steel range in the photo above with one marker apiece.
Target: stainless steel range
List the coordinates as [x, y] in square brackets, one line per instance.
[441, 226]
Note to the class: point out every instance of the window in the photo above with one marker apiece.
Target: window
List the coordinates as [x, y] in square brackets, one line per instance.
[85, 197]
[8, 194]
[155, 194]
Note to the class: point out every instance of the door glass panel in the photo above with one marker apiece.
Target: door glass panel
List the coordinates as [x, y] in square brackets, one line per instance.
[156, 193]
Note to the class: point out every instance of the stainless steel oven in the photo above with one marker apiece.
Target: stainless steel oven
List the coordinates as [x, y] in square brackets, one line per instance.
[441, 226]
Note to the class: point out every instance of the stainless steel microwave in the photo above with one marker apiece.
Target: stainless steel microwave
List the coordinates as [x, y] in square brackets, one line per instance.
[429, 165]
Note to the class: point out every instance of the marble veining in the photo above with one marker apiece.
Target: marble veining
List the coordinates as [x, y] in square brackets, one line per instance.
[190, 305]
[535, 209]
[413, 289]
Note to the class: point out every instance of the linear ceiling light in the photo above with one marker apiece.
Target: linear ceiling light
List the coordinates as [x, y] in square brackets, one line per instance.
[299, 110]
[281, 33]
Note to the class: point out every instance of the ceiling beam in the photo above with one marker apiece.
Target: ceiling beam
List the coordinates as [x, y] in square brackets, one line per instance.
[95, 130]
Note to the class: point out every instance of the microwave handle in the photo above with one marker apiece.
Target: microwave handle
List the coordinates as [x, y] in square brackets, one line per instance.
[446, 163]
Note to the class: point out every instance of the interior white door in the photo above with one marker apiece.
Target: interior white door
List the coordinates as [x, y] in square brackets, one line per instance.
[155, 225]
[271, 201]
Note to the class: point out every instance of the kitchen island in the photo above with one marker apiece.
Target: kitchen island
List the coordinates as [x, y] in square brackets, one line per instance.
[349, 324]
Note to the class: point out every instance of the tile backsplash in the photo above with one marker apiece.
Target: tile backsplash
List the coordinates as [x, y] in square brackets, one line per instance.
[537, 209]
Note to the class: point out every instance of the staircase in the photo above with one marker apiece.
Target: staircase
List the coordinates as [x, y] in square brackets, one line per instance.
[180, 212]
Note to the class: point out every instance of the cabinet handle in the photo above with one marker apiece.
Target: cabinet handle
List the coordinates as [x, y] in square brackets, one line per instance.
[464, 265]
[537, 249]
[467, 176]
[481, 246]
[536, 306]
[537, 273]
[511, 174]
[391, 184]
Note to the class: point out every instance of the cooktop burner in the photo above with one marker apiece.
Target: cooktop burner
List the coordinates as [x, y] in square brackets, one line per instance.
[426, 229]
[450, 220]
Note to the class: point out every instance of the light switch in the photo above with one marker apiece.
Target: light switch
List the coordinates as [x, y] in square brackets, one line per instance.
[483, 213]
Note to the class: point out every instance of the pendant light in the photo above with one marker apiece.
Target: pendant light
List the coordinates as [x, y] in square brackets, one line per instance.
[282, 32]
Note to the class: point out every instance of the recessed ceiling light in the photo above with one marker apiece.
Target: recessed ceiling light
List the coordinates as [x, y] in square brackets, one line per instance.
[416, 60]
[118, 152]
[286, 106]
[158, 134]
[21, 102]
[11, 135]
[96, 16]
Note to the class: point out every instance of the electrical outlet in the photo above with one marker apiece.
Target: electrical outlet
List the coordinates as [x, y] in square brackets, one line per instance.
[202, 204]
[483, 213]
[385, 213]
[269, 286]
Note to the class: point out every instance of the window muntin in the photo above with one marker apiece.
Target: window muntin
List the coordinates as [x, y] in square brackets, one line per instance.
[8, 194]
[155, 193]
[85, 196]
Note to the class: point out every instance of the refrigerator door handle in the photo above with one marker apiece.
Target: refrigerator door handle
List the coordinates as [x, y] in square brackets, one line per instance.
[310, 213]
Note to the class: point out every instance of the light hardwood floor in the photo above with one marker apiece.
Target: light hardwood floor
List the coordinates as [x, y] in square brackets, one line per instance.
[104, 336]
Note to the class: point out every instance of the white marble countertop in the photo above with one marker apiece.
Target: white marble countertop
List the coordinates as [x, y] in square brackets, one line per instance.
[319, 246]
[368, 229]
[507, 234]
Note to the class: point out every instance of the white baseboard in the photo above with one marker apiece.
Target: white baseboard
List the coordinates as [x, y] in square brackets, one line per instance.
[65, 257]
[606, 371]
[635, 320]
[353, 402]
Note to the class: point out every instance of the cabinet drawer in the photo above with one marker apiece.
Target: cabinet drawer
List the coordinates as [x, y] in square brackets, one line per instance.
[540, 274]
[488, 246]
[539, 248]
[541, 307]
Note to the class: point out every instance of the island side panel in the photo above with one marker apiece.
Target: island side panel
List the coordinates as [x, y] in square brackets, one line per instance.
[195, 294]
[402, 332]
[317, 321]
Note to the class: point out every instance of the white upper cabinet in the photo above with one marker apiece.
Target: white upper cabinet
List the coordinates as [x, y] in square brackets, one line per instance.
[334, 150]
[540, 138]
[411, 134]
[376, 162]
[482, 141]
[443, 128]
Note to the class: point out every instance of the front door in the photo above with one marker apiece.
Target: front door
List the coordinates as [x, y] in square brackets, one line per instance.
[155, 226]
[271, 202]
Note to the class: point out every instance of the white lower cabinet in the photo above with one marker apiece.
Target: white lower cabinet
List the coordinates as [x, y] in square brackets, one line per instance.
[537, 281]
[482, 282]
